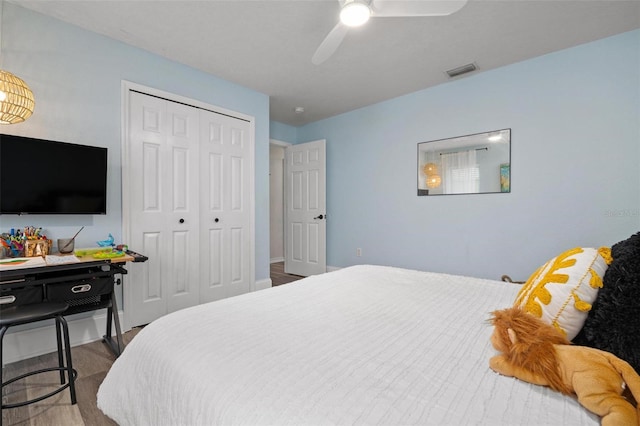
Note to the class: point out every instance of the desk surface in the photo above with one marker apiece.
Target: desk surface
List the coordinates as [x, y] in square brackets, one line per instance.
[57, 280]
[121, 259]
[26, 263]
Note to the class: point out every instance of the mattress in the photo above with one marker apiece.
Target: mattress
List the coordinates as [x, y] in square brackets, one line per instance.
[361, 345]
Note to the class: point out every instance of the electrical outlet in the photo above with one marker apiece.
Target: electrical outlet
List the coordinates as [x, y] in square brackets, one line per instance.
[358, 252]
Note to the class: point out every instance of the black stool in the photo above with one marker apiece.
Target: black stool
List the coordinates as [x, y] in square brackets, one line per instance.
[23, 314]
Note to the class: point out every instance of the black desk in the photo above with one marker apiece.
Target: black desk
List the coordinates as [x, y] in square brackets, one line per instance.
[86, 286]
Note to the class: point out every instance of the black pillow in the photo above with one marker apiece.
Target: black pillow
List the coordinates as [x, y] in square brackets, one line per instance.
[613, 324]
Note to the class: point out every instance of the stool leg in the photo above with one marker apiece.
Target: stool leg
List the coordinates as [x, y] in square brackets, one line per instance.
[67, 345]
[116, 320]
[60, 359]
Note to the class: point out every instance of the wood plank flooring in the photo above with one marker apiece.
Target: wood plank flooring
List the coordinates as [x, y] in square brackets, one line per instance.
[279, 277]
[91, 361]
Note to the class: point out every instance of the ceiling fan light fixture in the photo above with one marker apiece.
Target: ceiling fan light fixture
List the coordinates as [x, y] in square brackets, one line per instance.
[355, 13]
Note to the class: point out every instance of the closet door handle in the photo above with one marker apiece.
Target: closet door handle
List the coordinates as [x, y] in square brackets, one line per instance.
[216, 220]
[181, 221]
[319, 217]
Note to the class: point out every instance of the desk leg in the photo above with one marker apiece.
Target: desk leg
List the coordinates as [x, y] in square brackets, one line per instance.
[112, 313]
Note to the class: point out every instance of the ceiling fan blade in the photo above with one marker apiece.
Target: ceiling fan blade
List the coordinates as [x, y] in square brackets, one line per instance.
[330, 44]
[401, 8]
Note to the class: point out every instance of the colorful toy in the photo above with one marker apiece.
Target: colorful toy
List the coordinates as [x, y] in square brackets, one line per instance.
[536, 352]
[106, 243]
[108, 255]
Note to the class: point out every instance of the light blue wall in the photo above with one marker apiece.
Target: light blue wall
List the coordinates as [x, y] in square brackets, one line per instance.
[575, 120]
[576, 148]
[283, 132]
[76, 76]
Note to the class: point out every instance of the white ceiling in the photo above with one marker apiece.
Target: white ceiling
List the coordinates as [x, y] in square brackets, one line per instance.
[267, 45]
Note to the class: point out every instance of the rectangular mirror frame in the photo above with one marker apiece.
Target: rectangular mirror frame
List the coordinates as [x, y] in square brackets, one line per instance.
[479, 163]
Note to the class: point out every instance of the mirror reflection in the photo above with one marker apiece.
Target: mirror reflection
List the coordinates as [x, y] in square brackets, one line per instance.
[472, 164]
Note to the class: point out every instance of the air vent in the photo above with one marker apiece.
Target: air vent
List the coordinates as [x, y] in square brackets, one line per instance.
[462, 70]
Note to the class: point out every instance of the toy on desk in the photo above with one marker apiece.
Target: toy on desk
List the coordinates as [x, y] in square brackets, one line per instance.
[106, 243]
[81, 252]
[108, 254]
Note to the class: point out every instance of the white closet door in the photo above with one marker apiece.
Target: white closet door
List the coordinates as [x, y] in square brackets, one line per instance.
[226, 249]
[163, 200]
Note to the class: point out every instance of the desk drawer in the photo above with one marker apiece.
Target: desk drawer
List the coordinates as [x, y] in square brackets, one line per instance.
[20, 296]
[83, 289]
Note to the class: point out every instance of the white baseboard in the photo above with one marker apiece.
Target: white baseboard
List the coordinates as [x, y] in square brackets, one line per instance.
[276, 259]
[24, 344]
[262, 284]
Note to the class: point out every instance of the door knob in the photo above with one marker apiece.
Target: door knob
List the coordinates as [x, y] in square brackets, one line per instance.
[216, 220]
[181, 221]
[319, 217]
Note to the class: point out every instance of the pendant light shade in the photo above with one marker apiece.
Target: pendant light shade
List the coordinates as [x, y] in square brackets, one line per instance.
[16, 99]
[433, 181]
[433, 178]
[430, 169]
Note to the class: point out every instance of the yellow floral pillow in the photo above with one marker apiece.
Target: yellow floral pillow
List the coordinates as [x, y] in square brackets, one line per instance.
[562, 290]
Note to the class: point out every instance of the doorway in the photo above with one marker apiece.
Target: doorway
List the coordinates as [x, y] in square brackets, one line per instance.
[278, 277]
[297, 208]
[276, 200]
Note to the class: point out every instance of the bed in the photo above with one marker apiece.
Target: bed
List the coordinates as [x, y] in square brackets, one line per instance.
[361, 345]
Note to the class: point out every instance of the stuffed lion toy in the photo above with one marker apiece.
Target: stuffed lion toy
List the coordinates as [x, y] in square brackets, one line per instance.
[536, 352]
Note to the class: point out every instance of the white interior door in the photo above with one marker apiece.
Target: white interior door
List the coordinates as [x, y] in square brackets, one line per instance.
[225, 212]
[163, 206]
[305, 198]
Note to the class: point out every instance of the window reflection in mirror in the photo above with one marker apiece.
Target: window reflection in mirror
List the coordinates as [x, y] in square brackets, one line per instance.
[472, 164]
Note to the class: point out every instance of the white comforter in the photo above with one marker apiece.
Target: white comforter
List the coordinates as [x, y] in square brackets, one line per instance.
[362, 345]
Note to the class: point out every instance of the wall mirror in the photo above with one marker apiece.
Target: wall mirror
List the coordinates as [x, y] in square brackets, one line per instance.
[472, 164]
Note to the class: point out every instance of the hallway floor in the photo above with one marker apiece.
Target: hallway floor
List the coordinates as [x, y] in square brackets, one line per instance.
[279, 277]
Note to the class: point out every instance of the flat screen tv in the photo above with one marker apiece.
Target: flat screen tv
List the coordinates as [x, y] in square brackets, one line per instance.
[48, 177]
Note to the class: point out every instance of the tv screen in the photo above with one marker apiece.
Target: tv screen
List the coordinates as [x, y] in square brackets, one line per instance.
[47, 177]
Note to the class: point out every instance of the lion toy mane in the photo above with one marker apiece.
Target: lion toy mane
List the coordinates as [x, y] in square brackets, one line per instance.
[536, 352]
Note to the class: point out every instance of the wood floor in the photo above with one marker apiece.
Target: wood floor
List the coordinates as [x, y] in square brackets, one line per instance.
[91, 361]
[278, 276]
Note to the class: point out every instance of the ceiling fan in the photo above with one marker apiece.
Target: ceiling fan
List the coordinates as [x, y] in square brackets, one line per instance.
[354, 13]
